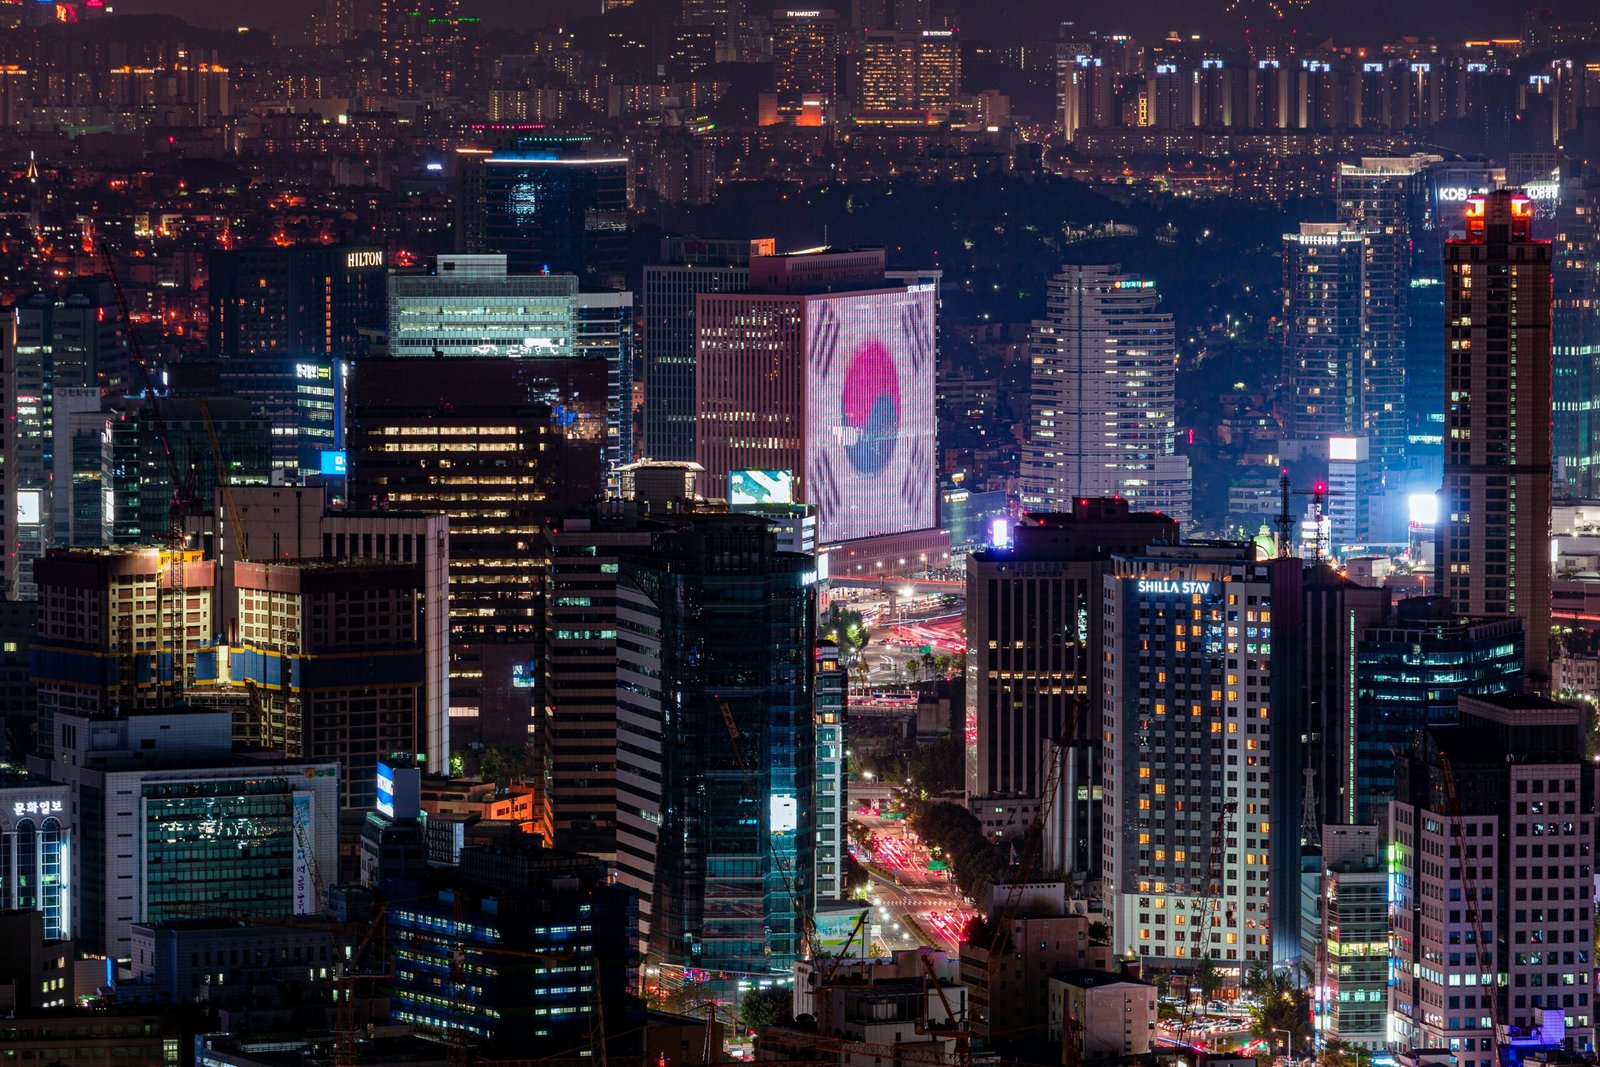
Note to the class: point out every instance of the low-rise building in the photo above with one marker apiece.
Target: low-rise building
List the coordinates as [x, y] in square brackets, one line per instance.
[169, 822]
[1011, 995]
[36, 971]
[1349, 990]
[1098, 1015]
[117, 1038]
[514, 952]
[228, 963]
[35, 843]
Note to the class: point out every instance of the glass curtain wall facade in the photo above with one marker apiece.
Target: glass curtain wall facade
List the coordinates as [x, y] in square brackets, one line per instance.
[1408, 676]
[719, 842]
[219, 842]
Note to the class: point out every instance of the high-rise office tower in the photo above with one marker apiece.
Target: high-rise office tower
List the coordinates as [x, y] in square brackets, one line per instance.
[604, 331]
[1575, 341]
[823, 369]
[471, 306]
[1193, 743]
[79, 335]
[117, 628]
[135, 472]
[688, 268]
[1493, 542]
[77, 482]
[1377, 198]
[302, 398]
[806, 46]
[1334, 611]
[1034, 629]
[717, 836]
[56, 356]
[333, 658]
[550, 204]
[296, 303]
[500, 446]
[1411, 667]
[1323, 271]
[1354, 481]
[577, 732]
[420, 46]
[1507, 857]
[1104, 410]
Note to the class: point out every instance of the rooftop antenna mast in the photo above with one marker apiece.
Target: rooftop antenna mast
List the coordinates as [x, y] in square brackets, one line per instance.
[1310, 824]
[1285, 521]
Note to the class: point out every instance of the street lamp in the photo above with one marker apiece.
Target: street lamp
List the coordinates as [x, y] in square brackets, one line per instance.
[1288, 1039]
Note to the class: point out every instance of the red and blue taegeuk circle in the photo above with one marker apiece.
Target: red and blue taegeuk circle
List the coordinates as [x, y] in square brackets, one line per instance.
[870, 403]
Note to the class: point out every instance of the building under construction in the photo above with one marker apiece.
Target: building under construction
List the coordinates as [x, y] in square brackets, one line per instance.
[118, 628]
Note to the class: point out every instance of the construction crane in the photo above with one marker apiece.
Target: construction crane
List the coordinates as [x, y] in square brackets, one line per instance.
[1033, 846]
[363, 934]
[345, 1029]
[1204, 905]
[1488, 972]
[938, 987]
[224, 480]
[173, 618]
[802, 908]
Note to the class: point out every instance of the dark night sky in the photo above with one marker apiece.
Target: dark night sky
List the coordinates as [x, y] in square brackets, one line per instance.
[1445, 19]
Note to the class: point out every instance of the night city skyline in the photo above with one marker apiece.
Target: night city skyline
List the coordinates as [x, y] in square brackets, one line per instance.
[657, 533]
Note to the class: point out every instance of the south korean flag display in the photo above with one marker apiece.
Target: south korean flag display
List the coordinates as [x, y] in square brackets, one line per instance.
[870, 413]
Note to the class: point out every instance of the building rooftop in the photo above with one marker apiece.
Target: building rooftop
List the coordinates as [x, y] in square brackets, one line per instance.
[14, 777]
[1085, 978]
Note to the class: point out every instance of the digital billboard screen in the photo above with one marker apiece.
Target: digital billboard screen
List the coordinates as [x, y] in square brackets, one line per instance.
[870, 413]
[760, 487]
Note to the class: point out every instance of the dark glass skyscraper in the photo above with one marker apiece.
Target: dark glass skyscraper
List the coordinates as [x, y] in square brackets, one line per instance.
[1410, 670]
[134, 473]
[1575, 342]
[715, 621]
[548, 211]
[301, 301]
[500, 446]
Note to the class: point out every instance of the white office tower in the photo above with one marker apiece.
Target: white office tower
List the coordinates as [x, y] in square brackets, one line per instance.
[1104, 385]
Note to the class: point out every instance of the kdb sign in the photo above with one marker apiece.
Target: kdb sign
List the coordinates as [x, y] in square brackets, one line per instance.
[1460, 194]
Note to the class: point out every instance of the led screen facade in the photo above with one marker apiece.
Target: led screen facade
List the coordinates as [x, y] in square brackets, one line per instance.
[760, 487]
[869, 453]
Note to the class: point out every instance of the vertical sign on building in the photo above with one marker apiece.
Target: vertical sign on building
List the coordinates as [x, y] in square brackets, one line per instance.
[305, 902]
